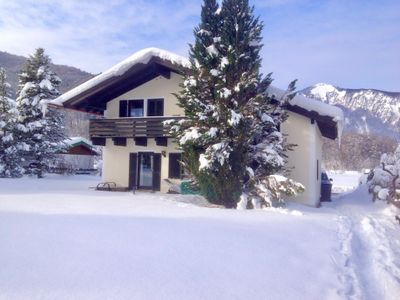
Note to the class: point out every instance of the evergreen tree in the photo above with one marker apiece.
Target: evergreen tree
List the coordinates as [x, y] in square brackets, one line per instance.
[198, 99]
[10, 161]
[41, 128]
[232, 125]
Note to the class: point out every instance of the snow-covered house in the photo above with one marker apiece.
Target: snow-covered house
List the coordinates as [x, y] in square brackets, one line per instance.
[136, 96]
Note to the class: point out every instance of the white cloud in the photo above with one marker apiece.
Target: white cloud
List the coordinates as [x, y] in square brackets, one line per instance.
[349, 43]
[93, 35]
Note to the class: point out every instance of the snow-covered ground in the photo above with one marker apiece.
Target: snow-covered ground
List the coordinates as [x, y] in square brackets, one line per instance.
[61, 240]
[344, 181]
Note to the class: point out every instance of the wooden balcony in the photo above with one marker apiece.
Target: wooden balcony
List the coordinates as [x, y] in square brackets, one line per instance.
[129, 127]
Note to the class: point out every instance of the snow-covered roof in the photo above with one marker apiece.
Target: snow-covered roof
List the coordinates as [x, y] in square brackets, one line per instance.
[80, 146]
[313, 106]
[309, 104]
[73, 141]
[140, 57]
[145, 56]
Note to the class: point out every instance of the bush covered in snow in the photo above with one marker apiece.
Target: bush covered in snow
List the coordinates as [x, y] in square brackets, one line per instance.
[270, 192]
[384, 181]
[231, 135]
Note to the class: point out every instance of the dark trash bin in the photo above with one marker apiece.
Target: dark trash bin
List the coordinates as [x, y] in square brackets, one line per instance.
[326, 187]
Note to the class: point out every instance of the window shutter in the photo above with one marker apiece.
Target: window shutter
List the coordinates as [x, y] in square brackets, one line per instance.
[157, 172]
[123, 108]
[119, 141]
[132, 170]
[161, 141]
[140, 141]
[174, 170]
[160, 107]
[97, 141]
[150, 108]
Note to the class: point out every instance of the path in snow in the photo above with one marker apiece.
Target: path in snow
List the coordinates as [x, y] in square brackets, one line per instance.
[369, 247]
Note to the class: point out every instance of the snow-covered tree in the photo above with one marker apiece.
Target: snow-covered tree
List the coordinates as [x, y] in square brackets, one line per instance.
[10, 159]
[40, 128]
[231, 136]
[384, 181]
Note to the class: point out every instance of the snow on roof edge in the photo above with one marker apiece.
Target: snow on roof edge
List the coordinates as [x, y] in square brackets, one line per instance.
[143, 56]
[309, 104]
[77, 139]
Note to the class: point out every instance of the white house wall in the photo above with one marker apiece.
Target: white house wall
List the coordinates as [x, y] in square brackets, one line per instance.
[299, 129]
[303, 159]
[159, 87]
[116, 158]
[318, 155]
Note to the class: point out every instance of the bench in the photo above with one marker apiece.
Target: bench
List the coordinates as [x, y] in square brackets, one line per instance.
[110, 187]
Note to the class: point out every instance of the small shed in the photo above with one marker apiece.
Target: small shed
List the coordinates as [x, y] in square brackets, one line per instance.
[79, 155]
[80, 146]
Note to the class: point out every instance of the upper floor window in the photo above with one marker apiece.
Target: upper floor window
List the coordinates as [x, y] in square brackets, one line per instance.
[136, 108]
[131, 108]
[155, 107]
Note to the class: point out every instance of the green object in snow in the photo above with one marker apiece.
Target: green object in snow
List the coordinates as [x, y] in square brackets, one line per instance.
[187, 189]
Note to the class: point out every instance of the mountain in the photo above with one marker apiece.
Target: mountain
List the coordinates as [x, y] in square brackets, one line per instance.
[367, 111]
[70, 76]
[372, 117]
[371, 127]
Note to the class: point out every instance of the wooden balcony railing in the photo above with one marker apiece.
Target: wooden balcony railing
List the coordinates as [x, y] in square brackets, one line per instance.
[129, 127]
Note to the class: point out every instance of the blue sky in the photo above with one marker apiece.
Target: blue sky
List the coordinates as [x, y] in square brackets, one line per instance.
[349, 43]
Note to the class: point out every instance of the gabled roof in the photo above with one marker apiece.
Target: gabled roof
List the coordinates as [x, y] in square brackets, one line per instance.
[137, 69]
[147, 64]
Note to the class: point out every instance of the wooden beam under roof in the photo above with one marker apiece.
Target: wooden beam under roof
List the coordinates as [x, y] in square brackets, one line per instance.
[95, 99]
[326, 124]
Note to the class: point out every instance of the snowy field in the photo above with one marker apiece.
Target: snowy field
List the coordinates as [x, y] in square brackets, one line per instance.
[344, 181]
[61, 240]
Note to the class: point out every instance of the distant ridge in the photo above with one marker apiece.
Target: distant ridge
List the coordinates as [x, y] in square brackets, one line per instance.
[71, 76]
[366, 110]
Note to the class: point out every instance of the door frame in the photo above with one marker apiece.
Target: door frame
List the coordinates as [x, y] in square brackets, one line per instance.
[138, 171]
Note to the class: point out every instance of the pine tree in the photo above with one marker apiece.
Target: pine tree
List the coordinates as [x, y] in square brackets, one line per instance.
[233, 123]
[40, 128]
[10, 160]
[198, 99]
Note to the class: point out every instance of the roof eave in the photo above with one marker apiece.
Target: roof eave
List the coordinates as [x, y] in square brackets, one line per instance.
[155, 66]
[327, 125]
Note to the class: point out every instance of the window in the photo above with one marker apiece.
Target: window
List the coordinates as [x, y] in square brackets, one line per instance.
[174, 165]
[155, 107]
[131, 108]
[135, 108]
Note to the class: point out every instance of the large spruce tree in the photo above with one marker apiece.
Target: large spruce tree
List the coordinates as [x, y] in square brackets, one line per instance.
[40, 128]
[231, 136]
[10, 159]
